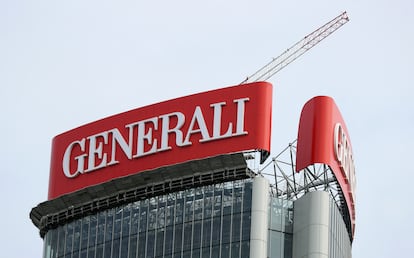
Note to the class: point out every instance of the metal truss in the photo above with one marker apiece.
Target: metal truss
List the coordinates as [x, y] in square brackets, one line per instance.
[288, 184]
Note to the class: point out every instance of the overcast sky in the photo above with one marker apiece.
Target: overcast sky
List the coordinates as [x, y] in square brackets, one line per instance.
[67, 63]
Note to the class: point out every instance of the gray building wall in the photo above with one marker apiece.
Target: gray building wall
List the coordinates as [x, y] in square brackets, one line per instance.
[259, 219]
[319, 230]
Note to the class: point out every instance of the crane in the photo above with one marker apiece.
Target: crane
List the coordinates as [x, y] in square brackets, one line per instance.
[298, 49]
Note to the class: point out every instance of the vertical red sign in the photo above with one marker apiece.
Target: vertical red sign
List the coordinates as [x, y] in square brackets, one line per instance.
[323, 138]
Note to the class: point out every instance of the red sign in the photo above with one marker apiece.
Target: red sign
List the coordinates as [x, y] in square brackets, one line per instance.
[208, 124]
[323, 138]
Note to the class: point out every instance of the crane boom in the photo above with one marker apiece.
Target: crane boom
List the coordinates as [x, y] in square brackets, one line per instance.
[298, 49]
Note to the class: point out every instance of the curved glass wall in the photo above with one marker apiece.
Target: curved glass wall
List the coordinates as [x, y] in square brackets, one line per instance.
[210, 221]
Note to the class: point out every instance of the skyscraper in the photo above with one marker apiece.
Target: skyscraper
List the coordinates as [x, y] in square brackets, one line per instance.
[187, 178]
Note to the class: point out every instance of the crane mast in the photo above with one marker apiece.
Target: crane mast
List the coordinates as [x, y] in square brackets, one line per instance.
[298, 49]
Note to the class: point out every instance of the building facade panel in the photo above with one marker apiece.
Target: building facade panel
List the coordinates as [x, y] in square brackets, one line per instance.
[319, 228]
[231, 219]
[207, 221]
[339, 242]
[260, 213]
[280, 233]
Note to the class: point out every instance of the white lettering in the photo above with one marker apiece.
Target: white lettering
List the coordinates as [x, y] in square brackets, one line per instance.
[166, 130]
[217, 122]
[117, 138]
[217, 118]
[240, 116]
[80, 159]
[97, 150]
[202, 128]
[146, 137]
[344, 156]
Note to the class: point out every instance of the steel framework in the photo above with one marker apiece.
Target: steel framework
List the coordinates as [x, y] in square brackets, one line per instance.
[288, 184]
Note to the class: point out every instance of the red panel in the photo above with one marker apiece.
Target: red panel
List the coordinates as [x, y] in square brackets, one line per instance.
[323, 138]
[208, 124]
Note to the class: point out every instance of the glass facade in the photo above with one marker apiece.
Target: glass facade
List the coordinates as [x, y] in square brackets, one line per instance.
[209, 221]
[213, 221]
[339, 241]
[280, 228]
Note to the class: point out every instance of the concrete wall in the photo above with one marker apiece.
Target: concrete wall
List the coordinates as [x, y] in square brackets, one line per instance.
[259, 221]
[311, 226]
[318, 228]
